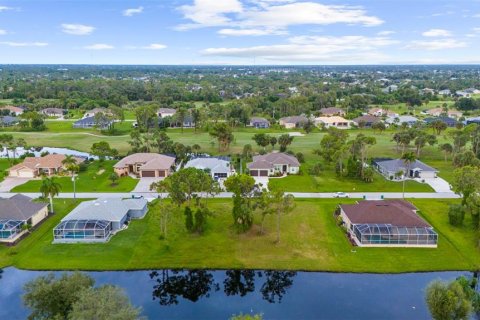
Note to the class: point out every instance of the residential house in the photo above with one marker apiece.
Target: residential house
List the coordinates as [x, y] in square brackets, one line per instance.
[98, 220]
[188, 122]
[217, 168]
[32, 167]
[366, 120]
[93, 112]
[409, 120]
[452, 113]
[259, 123]
[450, 122]
[293, 122]
[143, 165]
[53, 112]
[390, 88]
[390, 169]
[271, 164]
[386, 223]
[472, 91]
[377, 112]
[445, 92]
[166, 112]
[18, 212]
[333, 121]
[91, 122]
[475, 120]
[12, 110]
[332, 111]
[463, 94]
[8, 121]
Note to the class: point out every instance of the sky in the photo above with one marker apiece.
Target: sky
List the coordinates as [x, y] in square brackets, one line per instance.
[240, 32]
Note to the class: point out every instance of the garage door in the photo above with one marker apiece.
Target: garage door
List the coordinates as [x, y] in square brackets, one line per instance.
[148, 174]
[161, 173]
[25, 174]
[263, 173]
[254, 173]
[220, 175]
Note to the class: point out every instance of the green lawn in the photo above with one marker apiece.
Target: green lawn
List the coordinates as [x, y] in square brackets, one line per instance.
[328, 181]
[310, 240]
[4, 165]
[94, 179]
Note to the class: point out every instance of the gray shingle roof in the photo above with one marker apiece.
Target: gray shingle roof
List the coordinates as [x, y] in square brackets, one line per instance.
[19, 207]
[268, 160]
[396, 165]
[105, 209]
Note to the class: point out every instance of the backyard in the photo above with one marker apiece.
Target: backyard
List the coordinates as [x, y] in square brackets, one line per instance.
[94, 179]
[310, 240]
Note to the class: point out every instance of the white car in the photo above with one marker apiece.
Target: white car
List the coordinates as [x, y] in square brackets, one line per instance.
[341, 195]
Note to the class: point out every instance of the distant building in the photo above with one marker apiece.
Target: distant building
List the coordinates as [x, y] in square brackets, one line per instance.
[334, 121]
[293, 122]
[332, 111]
[436, 112]
[409, 120]
[166, 112]
[8, 121]
[259, 123]
[367, 120]
[93, 112]
[53, 112]
[450, 122]
[445, 92]
[90, 122]
[13, 110]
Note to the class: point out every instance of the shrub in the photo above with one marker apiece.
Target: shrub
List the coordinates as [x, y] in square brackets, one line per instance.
[300, 157]
[456, 214]
[316, 169]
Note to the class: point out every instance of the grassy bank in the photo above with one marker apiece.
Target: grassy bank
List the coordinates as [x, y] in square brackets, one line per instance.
[94, 179]
[310, 240]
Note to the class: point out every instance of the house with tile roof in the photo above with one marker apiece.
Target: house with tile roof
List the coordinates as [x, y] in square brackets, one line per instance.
[32, 167]
[217, 168]
[143, 165]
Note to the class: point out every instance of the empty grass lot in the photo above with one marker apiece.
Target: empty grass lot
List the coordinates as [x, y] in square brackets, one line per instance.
[94, 179]
[310, 240]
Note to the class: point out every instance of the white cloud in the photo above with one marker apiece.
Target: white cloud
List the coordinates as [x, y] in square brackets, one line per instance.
[437, 33]
[312, 48]
[250, 32]
[3, 32]
[5, 8]
[206, 13]
[270, 16]
[130, 12]
[24, 44]
[155, 46]
[436, 44]
[77, 29]
[99, 46]
[385, 33]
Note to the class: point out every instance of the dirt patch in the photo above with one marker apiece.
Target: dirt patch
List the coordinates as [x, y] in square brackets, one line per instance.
[101, 171]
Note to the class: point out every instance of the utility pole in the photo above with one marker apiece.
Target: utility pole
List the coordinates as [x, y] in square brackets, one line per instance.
[74, 178]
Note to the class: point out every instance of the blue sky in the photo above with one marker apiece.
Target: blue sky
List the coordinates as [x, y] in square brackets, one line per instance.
[240, 32]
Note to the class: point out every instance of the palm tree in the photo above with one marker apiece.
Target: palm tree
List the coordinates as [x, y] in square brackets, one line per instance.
[50, 188]
[70, 164]
[408, 158]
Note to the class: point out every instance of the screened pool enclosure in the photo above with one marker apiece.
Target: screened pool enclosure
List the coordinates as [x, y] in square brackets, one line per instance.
[386, 234]
[84, 230]
[10, 228]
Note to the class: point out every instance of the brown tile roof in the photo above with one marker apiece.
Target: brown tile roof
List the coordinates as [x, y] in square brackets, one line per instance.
[12, 109]
[48, 161]
[150, 161]
[268, 160]
[398, 213]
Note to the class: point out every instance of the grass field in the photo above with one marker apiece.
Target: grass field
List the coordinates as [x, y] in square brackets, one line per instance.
[4, 165]
[310, 240]
[94, 179]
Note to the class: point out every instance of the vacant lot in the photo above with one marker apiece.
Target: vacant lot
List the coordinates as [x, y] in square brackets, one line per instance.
[310, 240]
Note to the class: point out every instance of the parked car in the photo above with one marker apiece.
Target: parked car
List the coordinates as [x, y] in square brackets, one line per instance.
[341, 195]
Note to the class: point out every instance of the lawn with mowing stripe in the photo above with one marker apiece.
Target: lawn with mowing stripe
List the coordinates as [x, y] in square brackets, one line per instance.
[310, 240]
[94, 179]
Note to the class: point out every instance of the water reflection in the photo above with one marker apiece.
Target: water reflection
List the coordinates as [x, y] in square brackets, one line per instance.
[170, 285]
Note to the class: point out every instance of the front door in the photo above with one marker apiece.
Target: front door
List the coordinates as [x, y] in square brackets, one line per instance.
[284, 168]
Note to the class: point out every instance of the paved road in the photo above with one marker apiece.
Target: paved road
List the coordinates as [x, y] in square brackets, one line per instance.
[356, 195]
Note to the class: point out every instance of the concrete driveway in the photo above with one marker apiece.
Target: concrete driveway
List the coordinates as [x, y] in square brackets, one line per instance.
[9, 183]
[143, 184]
[263, 181]
[438, 184]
